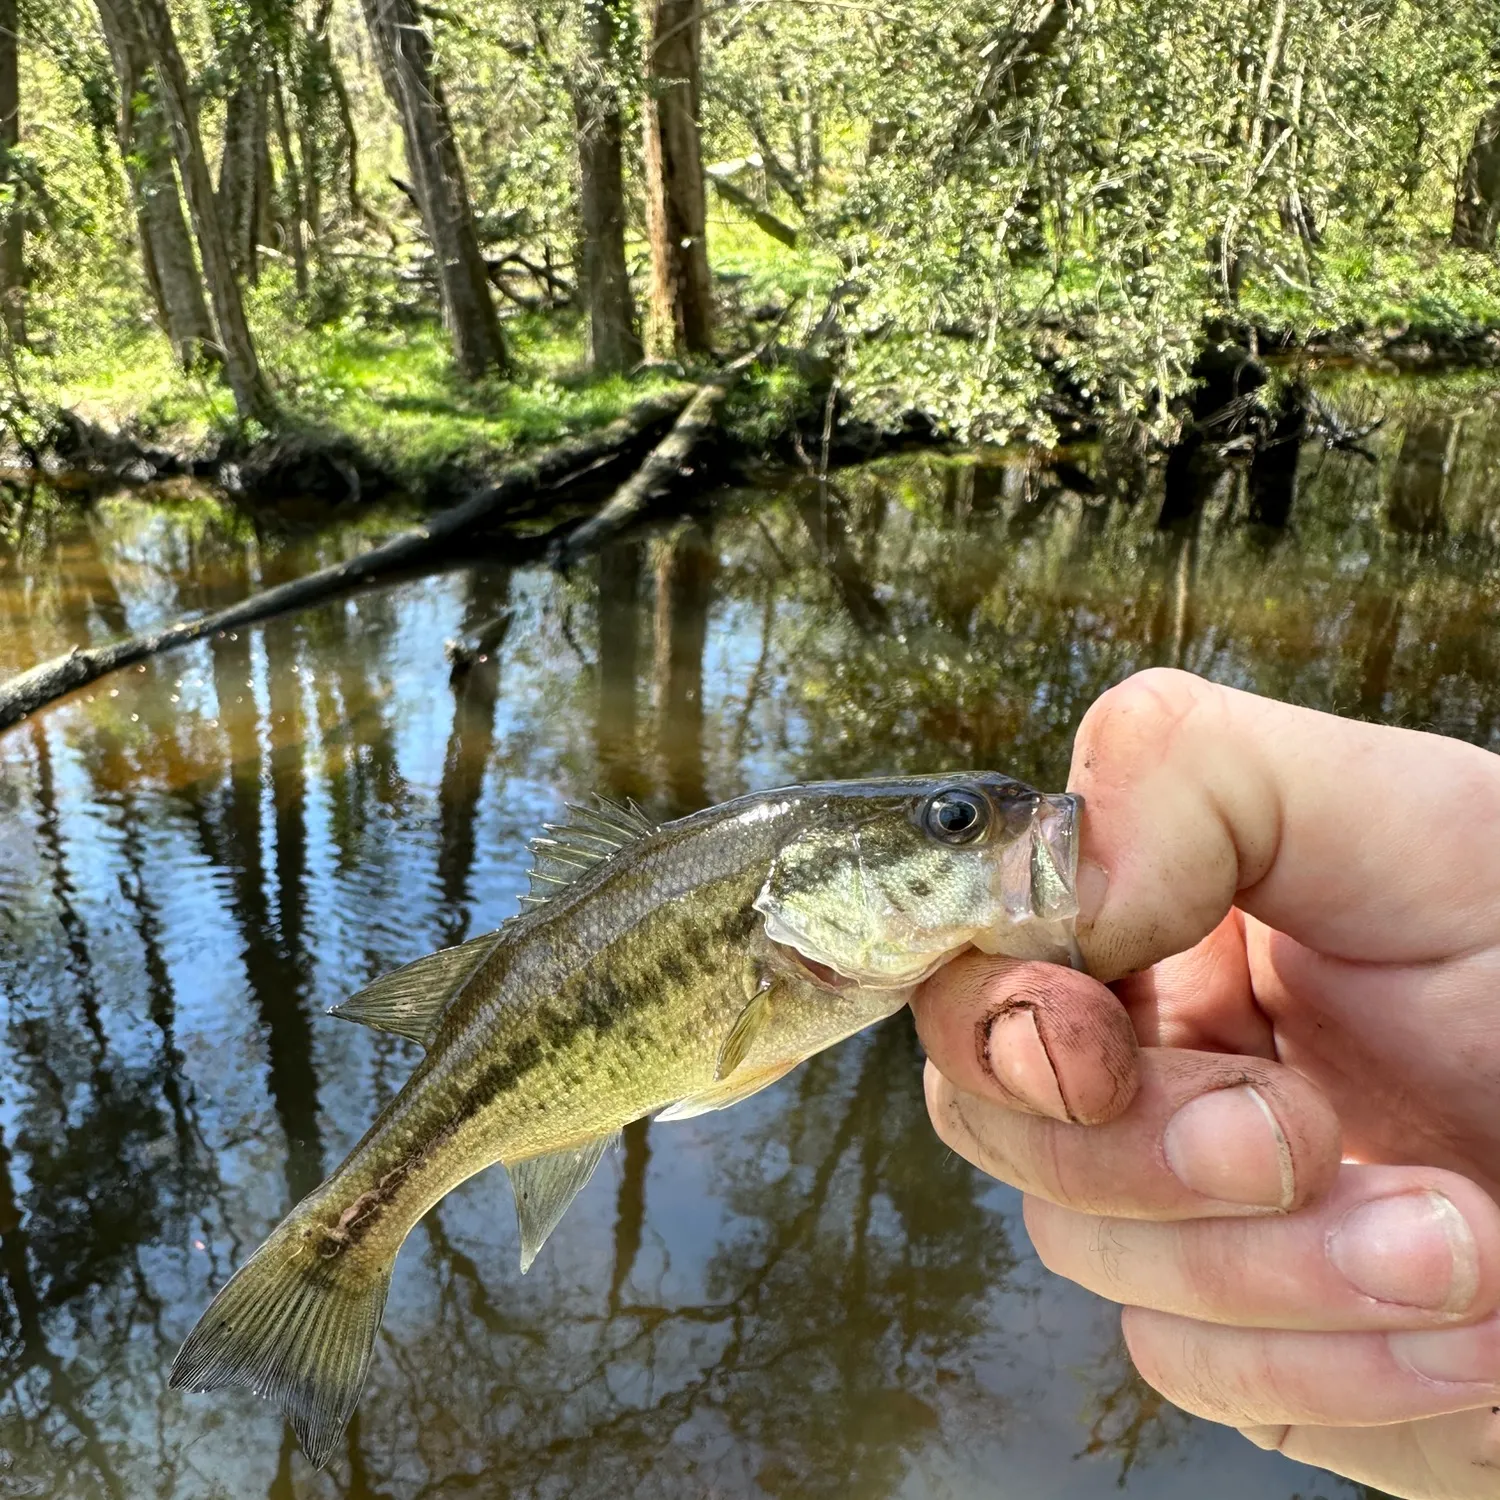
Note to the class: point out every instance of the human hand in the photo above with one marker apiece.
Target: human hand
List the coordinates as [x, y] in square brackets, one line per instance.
[1300, 915]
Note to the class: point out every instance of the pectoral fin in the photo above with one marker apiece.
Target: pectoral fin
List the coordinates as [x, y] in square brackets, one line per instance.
[722, 1095]
[743, 1034]
[546, 1185]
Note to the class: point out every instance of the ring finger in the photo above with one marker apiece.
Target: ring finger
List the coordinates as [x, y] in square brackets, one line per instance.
[1388, 1247]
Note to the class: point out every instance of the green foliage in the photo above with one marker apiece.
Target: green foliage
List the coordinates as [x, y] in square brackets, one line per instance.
[1005, 209]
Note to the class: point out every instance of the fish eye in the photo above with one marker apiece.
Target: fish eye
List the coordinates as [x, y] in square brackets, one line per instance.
[955, 816]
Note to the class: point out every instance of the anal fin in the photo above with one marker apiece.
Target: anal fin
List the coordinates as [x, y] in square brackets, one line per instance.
[730, 1091]
[410, 1001]
[546, 1185]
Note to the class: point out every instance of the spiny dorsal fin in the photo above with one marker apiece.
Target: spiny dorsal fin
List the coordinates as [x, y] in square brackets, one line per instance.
[410, 1001]
[546, 1185]
[563, 852]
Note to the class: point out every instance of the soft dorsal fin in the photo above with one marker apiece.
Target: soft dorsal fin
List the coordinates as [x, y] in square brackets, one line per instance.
[563, 852]
[546, 1185]
[410, 1001]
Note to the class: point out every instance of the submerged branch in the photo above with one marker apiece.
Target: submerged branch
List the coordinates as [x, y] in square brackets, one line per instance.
[519, 483]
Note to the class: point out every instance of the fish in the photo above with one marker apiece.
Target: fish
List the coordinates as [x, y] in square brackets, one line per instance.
[654, 971]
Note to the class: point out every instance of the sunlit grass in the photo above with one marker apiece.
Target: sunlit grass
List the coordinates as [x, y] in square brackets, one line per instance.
[392, 389]
[389, 382]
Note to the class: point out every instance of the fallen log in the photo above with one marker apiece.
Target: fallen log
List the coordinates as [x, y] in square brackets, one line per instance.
[504, 499]
[662, 465]
[778, 229]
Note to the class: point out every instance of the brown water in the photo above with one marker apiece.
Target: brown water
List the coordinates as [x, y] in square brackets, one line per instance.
[806, 1296]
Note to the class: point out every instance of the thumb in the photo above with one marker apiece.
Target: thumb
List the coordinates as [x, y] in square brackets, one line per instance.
[1198, 797]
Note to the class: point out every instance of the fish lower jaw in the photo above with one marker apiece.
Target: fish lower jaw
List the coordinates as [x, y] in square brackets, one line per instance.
[862, 976]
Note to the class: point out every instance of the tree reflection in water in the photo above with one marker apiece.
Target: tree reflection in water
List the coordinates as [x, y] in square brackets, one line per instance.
[806, 1296]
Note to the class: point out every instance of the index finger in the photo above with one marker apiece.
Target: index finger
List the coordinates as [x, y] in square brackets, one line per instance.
[1362, 841]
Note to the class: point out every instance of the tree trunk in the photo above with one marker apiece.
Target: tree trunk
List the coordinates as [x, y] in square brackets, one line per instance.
[681, 313]
[522, 491]
[292, 216]
[1273, 465]
[252, 395]
[146, 149]
[405, 52]
[240, 193]
[616, 730]
[1012, 63]
[12, 247]
[1417, 502]
[1476, 213]
[613, 342]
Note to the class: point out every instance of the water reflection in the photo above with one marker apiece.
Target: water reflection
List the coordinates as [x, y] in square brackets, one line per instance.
[807, 1296]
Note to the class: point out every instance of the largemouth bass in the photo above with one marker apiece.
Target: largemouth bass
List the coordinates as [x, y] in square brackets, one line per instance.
[660, 971]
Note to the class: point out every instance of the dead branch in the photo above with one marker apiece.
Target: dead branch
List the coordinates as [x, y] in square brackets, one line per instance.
[778, 229]
[466, 652]
[512, 495]
[663, 464]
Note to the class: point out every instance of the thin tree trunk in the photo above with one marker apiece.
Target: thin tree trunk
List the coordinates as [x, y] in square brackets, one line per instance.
[12, 247]
[613, 342]
[438, 176]
[1416, 504]
[1476, 212]
[681, 313]
[252, 394]
[146, 149]
[686, 567]
[470, 743]
[239, 172]
[1012, 62]
[616, 732]
[293, 216]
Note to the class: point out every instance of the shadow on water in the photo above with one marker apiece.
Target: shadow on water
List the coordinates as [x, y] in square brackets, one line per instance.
[806, 1296]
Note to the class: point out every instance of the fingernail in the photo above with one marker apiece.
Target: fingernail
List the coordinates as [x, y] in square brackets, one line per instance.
[1451, 1354]
[1228, 1145]
[1090, 883]
[1019, 1062]
[1415, 1250]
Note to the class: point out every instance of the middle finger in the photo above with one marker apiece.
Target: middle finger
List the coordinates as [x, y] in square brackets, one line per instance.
[1206, 1135]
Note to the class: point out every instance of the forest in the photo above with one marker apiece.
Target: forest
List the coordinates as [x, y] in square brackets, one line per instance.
[423, 238]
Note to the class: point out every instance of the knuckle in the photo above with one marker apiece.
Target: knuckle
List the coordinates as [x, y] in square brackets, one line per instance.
[1182, 1360]
[1153, 701]
[1210, 1267]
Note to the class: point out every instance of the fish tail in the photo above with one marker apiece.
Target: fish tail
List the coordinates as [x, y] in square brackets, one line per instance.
[296, 1327]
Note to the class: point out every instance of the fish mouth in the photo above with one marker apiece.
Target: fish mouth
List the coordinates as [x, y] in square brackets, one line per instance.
[796, 962]
[792, 960]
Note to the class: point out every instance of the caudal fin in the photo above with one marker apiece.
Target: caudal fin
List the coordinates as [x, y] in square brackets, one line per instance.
[296, 1328]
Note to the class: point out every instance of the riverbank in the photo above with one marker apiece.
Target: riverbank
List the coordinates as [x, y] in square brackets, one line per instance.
[373, 405]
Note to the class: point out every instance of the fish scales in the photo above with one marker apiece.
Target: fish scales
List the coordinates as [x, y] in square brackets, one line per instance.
[569, 1033]
[689, 968]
